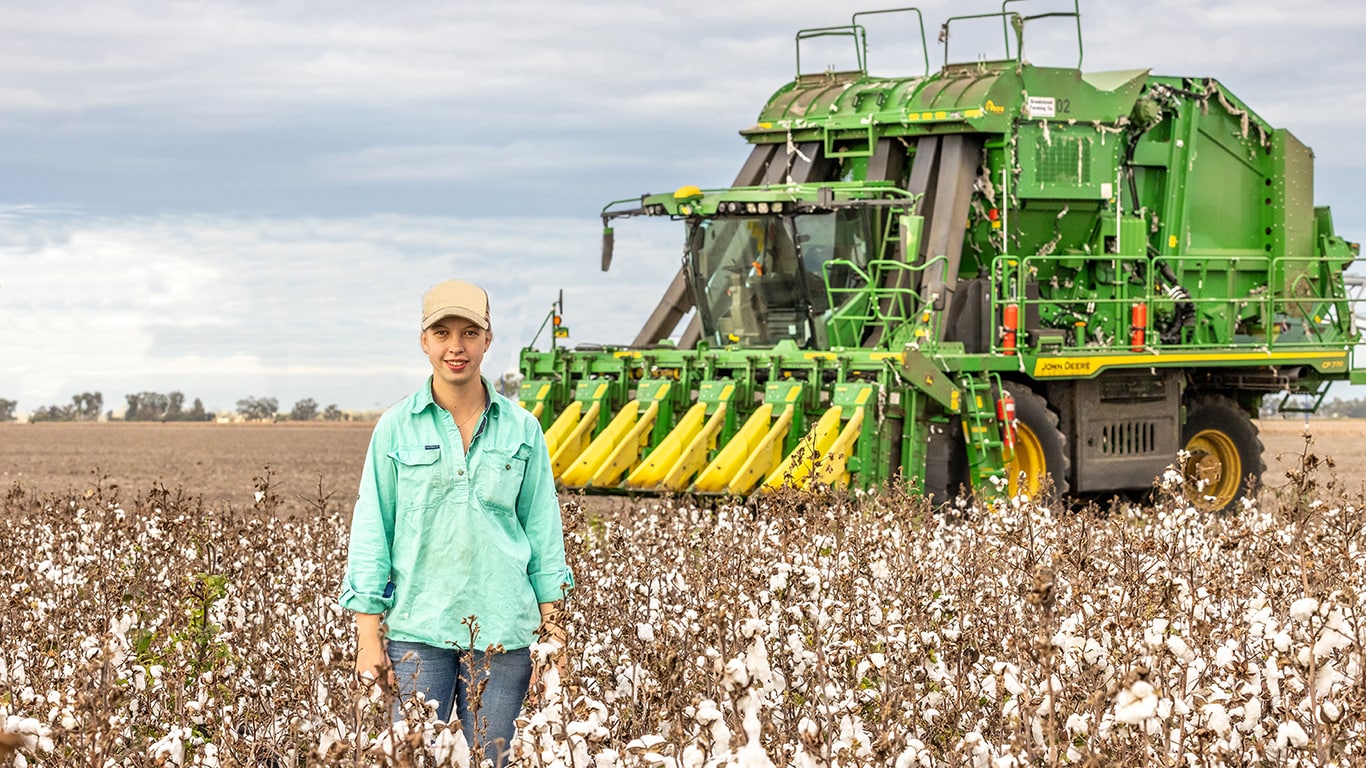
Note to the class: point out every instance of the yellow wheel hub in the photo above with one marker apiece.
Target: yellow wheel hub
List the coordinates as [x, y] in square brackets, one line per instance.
[1029, 460]
[1213, 470]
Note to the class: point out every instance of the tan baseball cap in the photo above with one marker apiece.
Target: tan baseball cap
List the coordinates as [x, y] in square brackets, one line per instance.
[455, 297]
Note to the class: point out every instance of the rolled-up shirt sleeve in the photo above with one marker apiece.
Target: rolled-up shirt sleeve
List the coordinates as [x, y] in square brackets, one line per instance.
[369, 564]
[538, 510]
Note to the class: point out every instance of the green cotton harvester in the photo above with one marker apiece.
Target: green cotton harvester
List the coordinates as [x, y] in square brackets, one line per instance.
[995, 278]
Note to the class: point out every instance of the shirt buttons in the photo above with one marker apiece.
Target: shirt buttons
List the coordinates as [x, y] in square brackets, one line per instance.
[461, 472]
[507, 466]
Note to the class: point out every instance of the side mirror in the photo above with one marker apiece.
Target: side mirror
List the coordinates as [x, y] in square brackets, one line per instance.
[608, 238]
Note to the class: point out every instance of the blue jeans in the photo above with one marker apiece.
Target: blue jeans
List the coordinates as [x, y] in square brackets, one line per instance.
[449, 675]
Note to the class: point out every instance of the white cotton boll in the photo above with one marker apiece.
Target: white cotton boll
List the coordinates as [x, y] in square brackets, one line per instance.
[1093, 652]
[693, 757]
[1290, 733]
[1224, 656]
[608, 758]
[170, 748]
[1304, 609]
[736, 675]
[777, 582]
[1012, 682]
[1252, 714]
[1077, 724]
[1281, 641]
[1136, 704]
[645, 633]
[1216, 718]
[1327, 678]
[449, 748]
[1330, 712]
[1335, 622]
[1154, 633]
[1329, 642]
[1180, 649]
[707, 712]
[1273, 678]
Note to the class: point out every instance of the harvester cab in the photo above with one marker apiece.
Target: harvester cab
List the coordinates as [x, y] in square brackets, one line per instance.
[995, 278]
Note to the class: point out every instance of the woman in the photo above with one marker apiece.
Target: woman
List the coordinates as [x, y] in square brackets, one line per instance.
[456, 558]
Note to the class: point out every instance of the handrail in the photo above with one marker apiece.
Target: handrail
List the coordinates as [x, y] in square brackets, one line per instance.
[860, 43]
[1010, 19]
[1076, 13]
[924, 46]
[1274, 317]
[872, 286]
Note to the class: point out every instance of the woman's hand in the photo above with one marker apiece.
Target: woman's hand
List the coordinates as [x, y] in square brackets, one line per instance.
[372, 661]
[551, 631]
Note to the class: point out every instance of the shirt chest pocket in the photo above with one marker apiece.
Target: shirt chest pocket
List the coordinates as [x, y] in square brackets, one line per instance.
[421, 482]
[499, 480]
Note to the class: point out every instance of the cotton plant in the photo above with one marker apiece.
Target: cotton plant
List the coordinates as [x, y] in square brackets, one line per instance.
[820, 630]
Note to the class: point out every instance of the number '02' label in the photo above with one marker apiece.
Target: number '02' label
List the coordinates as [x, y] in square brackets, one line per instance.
[1041, 106]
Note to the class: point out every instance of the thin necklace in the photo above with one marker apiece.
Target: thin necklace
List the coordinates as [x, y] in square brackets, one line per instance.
[462, 423]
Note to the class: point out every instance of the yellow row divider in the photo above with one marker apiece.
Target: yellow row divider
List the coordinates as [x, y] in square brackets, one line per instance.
[795, 468]
[722, 468]
[763, 457]
[580, 434]
[651, 472]
[694, 457]
[834, 460]
[581, 472]
[628, 450]
[563, 425]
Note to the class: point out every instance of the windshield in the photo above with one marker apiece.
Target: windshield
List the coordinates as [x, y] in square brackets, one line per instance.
[761, 279]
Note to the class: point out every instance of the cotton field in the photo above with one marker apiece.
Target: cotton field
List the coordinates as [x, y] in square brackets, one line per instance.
[813, 630]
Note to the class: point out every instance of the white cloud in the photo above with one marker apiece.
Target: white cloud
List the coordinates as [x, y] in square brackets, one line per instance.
[221, 307]
[259, 115]
[547, 158]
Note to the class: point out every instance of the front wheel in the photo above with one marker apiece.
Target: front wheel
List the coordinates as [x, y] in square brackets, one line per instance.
[1040, 447]
[1223, 453]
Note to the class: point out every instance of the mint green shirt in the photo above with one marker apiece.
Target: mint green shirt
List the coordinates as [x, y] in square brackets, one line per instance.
[439, 535]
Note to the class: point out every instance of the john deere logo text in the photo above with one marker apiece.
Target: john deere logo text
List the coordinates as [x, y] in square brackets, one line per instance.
[1062, 367]
[994, 108]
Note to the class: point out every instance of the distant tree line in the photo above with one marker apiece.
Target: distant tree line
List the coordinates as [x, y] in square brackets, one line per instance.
[1343, 409]
[1277, 404]
[307, 410]
[170, 406]
[267, 409]
[155, 406]
[84, 407]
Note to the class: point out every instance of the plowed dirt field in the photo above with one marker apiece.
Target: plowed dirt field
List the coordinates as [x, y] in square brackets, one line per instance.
[221, 462]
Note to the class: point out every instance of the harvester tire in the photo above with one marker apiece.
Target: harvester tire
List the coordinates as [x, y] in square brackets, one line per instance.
[1040, 447]
[1223, 453]
[946, 463]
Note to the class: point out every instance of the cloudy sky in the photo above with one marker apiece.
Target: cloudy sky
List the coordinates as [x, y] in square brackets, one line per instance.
[248, 198]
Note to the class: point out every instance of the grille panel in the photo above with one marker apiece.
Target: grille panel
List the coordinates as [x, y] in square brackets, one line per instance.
[1128, 438]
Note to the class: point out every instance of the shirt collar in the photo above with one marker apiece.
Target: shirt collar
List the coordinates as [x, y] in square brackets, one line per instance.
[423, 399]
